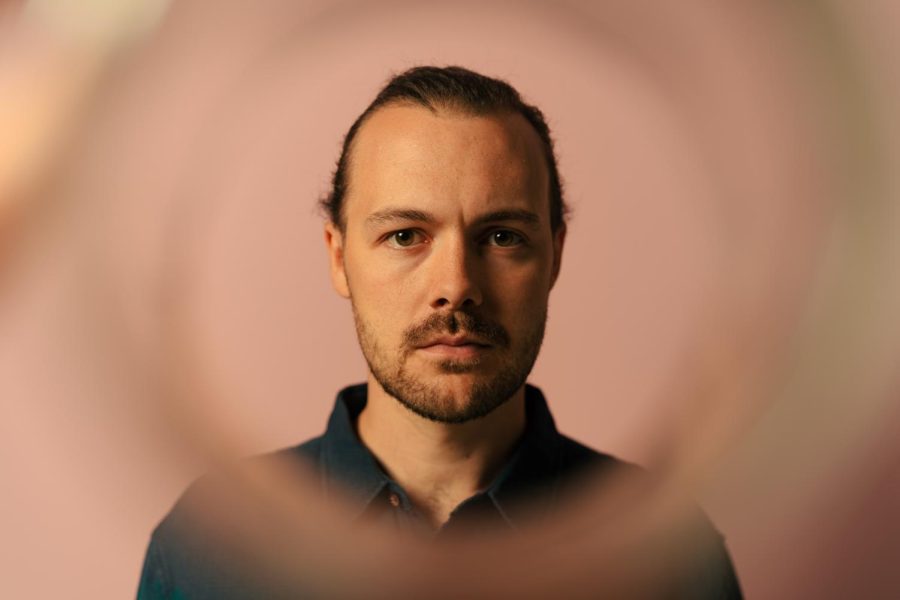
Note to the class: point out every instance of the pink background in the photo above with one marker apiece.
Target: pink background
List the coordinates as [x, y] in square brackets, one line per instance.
[703, 152]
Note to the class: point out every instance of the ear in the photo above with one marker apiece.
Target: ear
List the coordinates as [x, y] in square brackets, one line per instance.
[559, 240]
[334, 242]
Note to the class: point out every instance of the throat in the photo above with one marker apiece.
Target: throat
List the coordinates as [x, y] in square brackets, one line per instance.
[439, 465]
[437, 508]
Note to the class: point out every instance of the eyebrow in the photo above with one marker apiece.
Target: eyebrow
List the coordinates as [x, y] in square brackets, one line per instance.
[525, 217]
[399, 214]
[387, 215]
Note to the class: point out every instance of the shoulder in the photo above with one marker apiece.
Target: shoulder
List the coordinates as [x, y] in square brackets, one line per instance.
[580, 464]
[220, 483]
[577, 454]
[709, 571]
[310, 449]
[577, 460]
[197, 544]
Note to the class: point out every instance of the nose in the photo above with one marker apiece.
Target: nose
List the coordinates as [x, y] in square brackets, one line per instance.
[454, 276]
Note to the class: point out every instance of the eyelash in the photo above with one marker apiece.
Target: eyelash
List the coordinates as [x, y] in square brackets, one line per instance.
[391, 236]
[521, 240]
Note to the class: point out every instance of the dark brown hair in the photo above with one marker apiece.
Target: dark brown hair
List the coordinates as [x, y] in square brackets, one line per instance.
[458, 89]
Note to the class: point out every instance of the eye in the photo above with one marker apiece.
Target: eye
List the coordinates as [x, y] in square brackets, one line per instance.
[404, 238]
[505, 238]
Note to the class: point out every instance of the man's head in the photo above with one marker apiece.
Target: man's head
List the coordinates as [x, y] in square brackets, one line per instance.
[446, 232]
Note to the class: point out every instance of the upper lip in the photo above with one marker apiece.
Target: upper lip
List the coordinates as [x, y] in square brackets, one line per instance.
[454, 340]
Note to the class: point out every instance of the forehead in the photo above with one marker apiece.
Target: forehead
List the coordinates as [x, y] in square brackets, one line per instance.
[411, 155]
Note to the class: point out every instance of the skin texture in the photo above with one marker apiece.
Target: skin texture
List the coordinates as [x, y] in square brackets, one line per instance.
[418, 260]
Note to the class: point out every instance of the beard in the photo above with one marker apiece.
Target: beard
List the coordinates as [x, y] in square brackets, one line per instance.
[431, 399]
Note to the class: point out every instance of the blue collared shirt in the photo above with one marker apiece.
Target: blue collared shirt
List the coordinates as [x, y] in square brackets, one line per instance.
[183, 562]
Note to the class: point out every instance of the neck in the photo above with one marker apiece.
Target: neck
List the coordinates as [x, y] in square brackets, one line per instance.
[439, 464]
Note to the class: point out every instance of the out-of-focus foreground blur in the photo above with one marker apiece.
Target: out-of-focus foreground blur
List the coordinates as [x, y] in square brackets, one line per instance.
[726, 313]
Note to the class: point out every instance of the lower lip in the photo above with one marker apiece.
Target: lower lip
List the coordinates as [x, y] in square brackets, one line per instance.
[462, 351]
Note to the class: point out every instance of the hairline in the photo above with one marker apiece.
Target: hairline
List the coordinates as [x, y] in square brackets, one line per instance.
[449, 106]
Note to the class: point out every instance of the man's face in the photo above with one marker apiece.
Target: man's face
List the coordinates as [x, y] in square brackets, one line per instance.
[447, 256]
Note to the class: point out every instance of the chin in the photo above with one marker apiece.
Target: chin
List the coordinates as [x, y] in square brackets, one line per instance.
[460, 385]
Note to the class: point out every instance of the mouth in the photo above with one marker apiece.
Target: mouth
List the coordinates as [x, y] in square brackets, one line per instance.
[459, 347]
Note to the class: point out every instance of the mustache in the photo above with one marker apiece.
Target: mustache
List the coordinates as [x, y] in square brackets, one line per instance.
[457, 322]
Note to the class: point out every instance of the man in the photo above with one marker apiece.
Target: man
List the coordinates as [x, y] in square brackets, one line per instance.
[446, 232]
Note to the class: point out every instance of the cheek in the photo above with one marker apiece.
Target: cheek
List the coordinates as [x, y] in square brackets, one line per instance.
[379, 274]
[383, 296]
[519, 282]
[520, 295]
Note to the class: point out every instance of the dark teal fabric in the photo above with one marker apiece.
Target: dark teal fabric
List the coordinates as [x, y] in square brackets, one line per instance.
[183, 562]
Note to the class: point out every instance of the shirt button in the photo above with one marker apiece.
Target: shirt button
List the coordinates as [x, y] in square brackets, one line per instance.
[394, 499]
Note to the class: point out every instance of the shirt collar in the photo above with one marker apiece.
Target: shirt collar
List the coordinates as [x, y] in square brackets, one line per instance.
[347, 466]
[527, 484]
